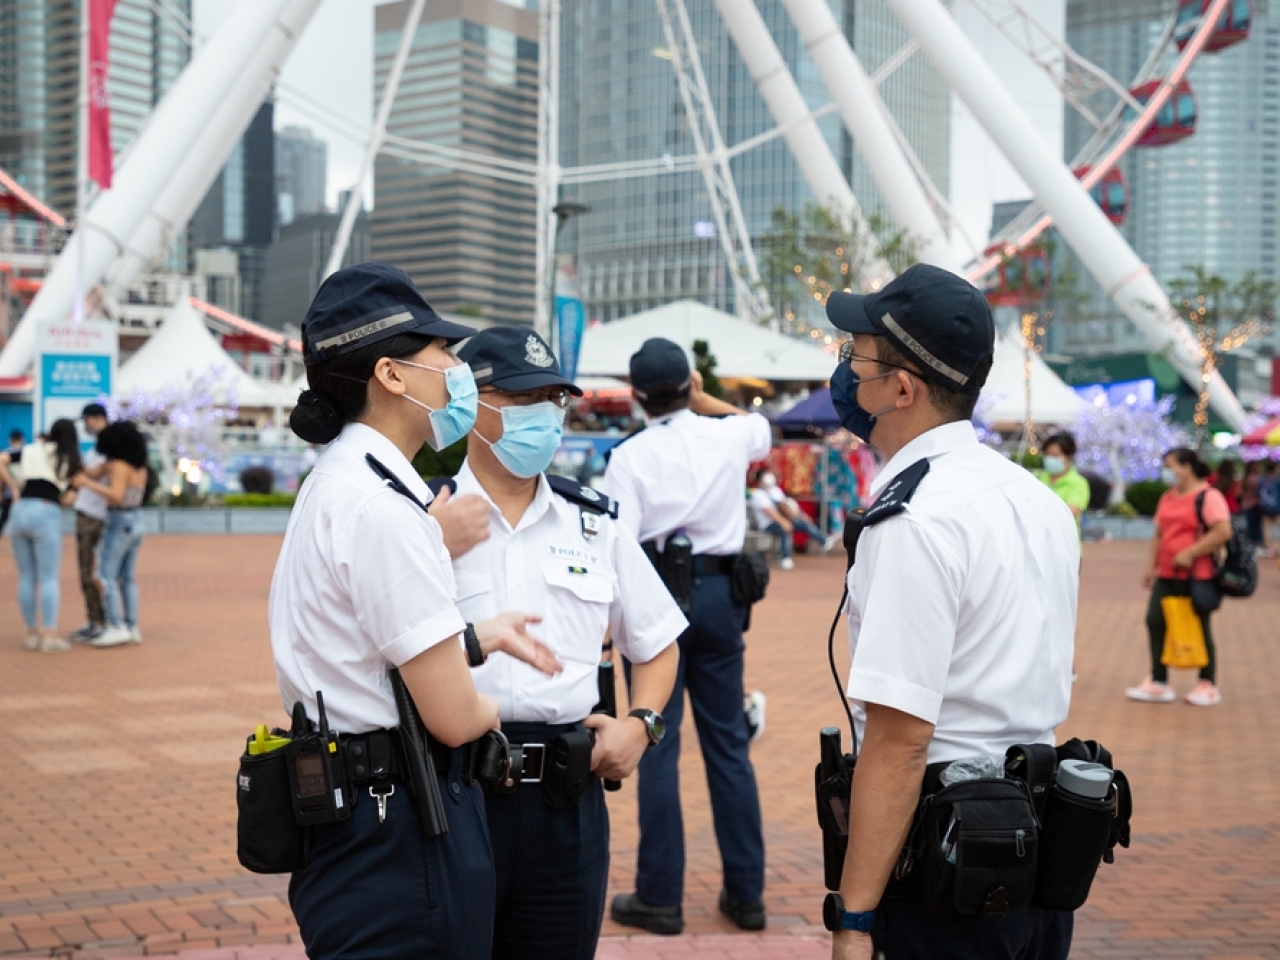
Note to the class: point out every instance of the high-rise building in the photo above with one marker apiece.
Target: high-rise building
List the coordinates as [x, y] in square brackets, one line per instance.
[1209, 200]
[40, 84]
[239, 211]
[302, 166]
[650, 240]
[297, 260]
[470, 83]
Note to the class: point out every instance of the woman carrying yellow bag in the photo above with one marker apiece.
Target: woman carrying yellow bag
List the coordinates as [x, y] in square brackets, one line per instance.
[1192, 523]
[1184, 640]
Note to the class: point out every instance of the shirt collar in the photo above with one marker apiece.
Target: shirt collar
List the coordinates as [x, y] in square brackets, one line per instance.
[542, 499]
[932, 443]
[364, 439]
[672, 417]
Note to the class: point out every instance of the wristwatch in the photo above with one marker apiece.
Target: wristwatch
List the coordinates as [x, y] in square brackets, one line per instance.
[475, 656]
[654, 725]
[835, 918]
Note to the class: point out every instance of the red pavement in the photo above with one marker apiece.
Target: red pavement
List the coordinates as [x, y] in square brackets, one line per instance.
[116, 814]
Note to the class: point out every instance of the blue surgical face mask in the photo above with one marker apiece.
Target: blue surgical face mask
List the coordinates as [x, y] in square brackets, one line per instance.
[844, 396]
[455, 421]
[1167, 477]
[1055, 465]
[530, 437]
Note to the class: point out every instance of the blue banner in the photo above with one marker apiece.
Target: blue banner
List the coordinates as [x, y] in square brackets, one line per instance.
[571, 321]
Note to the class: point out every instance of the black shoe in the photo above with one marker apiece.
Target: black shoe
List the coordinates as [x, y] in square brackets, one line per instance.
[630, 911]
[748, 916]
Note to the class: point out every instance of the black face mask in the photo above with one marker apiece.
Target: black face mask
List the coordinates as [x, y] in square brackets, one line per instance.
[844, 396]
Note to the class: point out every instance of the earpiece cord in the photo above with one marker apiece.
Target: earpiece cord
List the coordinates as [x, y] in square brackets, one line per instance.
[831, 659]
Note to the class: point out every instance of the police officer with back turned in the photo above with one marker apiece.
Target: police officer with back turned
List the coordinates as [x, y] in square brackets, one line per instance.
[679, 484]
[962, 608]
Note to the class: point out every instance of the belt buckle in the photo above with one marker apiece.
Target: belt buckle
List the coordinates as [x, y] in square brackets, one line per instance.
[524, 762]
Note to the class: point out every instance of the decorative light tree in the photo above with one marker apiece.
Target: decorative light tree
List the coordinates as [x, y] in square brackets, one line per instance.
[1125, 441]
[185, 420]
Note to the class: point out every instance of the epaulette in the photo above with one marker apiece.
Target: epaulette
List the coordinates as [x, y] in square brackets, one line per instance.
[436, 484]
[584, 496]
[608, 454]
[894, 498]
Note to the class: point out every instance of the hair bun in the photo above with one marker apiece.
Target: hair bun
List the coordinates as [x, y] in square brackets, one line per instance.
[315, 419]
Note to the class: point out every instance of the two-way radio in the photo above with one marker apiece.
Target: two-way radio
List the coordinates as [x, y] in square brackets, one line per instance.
[316, 773]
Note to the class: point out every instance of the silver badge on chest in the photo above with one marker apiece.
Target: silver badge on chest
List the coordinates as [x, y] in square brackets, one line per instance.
[590, 524]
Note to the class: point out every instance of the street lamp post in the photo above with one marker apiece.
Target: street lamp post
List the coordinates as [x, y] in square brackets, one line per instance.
[564, 210]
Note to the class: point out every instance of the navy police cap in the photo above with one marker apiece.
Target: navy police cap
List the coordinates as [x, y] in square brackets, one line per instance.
[659, 368]
[365, 303]
[933, 317]
[513, 359]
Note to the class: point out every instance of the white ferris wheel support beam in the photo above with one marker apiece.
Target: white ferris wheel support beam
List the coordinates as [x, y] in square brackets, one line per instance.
[355, 199]
[786, 104]
[1104, 252]
[726, 208]
[177, 203]
[864, 115]
[547, 181]
[160, 149]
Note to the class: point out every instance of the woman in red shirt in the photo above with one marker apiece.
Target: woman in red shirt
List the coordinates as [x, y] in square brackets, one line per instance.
[1182, 549]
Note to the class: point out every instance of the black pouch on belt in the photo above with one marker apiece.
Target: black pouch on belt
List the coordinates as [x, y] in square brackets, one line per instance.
[979, 850]
[268, 838]
[568, 768]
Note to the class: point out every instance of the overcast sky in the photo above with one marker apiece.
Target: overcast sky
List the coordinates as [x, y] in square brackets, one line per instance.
[333, 64]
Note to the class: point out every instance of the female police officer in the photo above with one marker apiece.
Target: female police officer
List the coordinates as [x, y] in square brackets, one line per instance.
[554, 549]
[362, 585]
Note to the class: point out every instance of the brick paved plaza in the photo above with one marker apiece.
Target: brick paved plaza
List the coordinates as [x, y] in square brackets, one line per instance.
[117, 805]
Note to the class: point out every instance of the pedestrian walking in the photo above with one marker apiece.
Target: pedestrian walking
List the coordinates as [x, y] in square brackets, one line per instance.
[91, 521]
[123, 450]
[17, 440]
[961, 611]
[1224, 481]
[555, 550]
[1192, 522]
[1251, 502]
[47, 466]
[678, 484]
[363, 585]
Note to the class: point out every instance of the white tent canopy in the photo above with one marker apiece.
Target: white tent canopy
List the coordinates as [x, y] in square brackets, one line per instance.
[182, 350]
[1052, 401]
[741, 349]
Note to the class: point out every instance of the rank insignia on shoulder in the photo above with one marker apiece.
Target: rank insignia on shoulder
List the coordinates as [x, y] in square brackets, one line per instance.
[897, 494]
[583, 496]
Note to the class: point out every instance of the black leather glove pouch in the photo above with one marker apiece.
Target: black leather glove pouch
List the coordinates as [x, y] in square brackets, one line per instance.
[568, 768]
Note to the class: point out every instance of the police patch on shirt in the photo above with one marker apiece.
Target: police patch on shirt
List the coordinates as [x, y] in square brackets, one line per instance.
[535, 352]
[574, 557]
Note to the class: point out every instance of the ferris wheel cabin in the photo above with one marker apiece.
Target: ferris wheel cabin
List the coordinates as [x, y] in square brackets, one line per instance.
[1111, 193]
[1175, 121]
[1022, 277]
[1232, 27]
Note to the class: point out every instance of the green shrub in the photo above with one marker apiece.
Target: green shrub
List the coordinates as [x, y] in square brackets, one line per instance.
[259, 499]
[1122, 510]
[1144, 495]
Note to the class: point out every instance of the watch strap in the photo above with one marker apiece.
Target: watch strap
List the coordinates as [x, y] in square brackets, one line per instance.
[861, 922]
[475, 656]
[645, 716]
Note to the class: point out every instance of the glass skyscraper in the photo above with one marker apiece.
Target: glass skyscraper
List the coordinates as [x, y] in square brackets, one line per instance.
[650, 240]
[1208, 200]
[470, 83]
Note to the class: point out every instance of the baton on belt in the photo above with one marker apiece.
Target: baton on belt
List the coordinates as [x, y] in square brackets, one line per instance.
[422, 772]
[608, 704]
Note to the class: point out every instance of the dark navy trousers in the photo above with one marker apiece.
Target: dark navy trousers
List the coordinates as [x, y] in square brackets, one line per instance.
[711, 670]
[552, 867]
[381, 891]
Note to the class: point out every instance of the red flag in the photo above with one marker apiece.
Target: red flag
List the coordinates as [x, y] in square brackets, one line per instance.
[99, 101]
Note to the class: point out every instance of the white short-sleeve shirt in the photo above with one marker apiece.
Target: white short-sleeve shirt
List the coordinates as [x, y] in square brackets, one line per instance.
[688, 472]
[962, 610]
[583, 587]
[363, 584]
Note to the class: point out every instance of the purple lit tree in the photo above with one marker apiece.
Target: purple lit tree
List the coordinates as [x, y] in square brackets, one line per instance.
[185, 420]
[1124, 442]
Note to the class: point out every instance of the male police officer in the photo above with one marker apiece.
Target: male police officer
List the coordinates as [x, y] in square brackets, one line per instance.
[685, 475]
[962, 606]
[554, 549]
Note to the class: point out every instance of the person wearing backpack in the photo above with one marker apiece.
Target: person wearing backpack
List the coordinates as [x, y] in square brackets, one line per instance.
[1192, 523]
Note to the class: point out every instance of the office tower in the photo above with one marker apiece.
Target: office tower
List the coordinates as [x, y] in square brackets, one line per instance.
[1208, 200]
[239, 210]
[40, 83]
[302, 164]
[651, 240]
[297, 260]
[470, 84]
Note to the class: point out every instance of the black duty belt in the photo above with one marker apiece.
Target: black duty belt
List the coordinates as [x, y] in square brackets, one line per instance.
[711, 565]
[553, 755]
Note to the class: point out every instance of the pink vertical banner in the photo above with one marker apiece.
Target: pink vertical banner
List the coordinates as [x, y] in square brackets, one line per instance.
[99, 60]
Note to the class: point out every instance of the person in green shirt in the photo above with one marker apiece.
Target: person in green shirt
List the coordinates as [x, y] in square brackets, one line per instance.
[1060, 473]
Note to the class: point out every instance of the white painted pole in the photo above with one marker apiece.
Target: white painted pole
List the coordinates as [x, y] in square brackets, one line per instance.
[175, 206]
[160, 149]
[1095, 240]
[547, 180]
[355, 198]
[863, 113]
